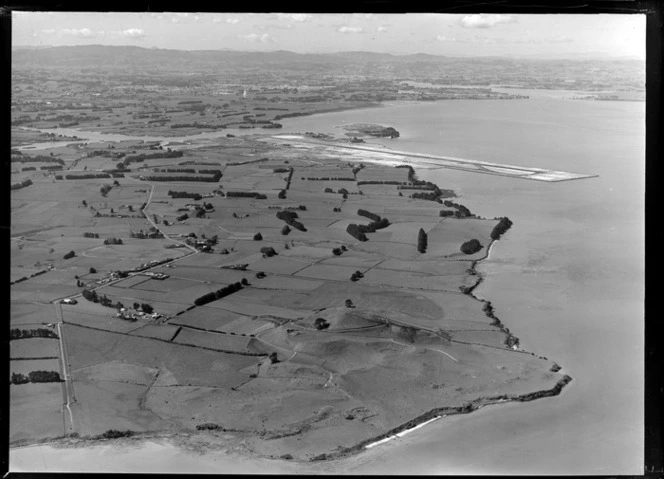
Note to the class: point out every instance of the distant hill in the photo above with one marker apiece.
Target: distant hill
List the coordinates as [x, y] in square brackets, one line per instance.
[91, 55]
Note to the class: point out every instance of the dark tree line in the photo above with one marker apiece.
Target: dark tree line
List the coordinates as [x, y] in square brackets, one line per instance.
[36, 377]
[84, 176]
[184, 194]
[462, 211]
[22, 184]
[220, 293]
[207, 178]
[359, 231]
[32, 333]
[245, 194]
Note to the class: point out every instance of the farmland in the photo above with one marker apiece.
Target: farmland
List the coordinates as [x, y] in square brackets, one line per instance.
[242, 300]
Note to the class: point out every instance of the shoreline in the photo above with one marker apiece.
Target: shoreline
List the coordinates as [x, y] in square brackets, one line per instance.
[412, 424]
[398, 431]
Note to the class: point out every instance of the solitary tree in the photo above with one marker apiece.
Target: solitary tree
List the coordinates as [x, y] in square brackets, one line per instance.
[93, 271]
[421, 241]
[349, 304]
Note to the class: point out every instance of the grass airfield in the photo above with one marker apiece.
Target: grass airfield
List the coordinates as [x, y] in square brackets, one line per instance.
[411, 342]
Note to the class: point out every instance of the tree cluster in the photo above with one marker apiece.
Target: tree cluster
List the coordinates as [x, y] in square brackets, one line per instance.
[356, 275]
[471, 246]
[462, 211]
[446, 213]
[108, 241]
[105, 189]
[268, 251]
[503, 225]
[321, 323]
[358, 231]
[69, 255]
[114, 434]
[426, 196]
[282, 195]
[90, 235]
[93, 297]
[367, 214]
[290, 218]
[182, 217]
[220, 293]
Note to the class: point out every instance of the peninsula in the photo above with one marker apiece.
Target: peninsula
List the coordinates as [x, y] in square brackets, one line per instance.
[308, 306]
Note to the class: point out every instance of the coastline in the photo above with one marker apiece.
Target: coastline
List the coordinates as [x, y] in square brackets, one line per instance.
[398, 431]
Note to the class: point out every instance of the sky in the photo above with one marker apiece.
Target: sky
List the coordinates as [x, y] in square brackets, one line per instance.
[522, 35]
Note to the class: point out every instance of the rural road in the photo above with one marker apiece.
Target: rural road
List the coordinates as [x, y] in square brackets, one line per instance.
[67, 386]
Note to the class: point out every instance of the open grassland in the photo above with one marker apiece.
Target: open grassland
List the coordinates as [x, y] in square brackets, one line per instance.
[35, 412]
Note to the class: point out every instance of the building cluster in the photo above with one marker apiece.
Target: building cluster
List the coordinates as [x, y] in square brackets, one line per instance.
[133, 315]
[153, 275]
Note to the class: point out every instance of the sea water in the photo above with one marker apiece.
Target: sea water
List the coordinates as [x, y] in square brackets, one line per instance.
[567, 279]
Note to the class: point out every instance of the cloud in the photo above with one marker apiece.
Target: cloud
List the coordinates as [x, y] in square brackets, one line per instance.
[255, 37]
[365, 16]
[485, 20]
[381, 29]
[48, 31]
[562, 40]
[232, 21]
[78, 32]
[270, 26]
[441, 38]
[347, 29]
[296, 17]
[133, 33]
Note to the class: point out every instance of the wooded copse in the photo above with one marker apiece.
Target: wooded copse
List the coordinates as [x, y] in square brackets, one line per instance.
[358, 231]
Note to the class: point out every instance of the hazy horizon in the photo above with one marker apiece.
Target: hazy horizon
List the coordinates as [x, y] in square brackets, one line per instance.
[549, 36]
[570, 56]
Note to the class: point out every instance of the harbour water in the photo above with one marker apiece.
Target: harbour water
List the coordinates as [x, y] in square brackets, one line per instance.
[567, 279]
